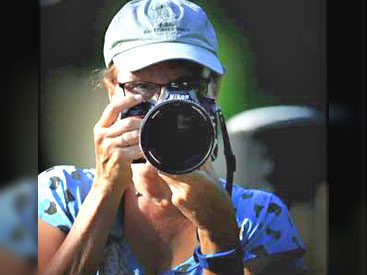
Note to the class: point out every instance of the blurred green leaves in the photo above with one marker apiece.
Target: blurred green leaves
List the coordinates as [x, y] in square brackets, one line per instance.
[239, 89]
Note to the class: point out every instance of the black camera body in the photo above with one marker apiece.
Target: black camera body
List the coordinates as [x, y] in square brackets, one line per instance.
[179, 132]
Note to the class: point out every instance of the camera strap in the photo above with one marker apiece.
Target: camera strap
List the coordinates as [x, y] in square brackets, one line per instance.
[229, 156]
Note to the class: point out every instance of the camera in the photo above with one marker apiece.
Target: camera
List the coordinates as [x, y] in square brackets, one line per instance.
[178, 132]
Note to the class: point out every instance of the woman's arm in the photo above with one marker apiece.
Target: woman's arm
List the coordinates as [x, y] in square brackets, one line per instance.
[81, 252]
[200, 198]
[49, 241]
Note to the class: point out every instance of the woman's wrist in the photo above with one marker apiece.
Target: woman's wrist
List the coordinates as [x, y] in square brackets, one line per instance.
[220, 232]
[214, 242]
[228, 262]
[105, 187]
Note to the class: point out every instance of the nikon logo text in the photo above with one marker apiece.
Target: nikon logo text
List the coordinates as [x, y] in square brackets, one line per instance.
[178, 96]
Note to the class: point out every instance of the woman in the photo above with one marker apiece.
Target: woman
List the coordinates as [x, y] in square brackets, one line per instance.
[129, 218]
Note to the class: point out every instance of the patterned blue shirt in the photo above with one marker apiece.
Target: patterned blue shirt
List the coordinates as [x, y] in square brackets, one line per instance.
[266, 228]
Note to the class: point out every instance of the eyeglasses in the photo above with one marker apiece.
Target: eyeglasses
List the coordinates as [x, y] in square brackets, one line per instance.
[150, 90]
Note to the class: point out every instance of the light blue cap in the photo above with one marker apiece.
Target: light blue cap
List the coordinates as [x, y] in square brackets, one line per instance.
[145, 32]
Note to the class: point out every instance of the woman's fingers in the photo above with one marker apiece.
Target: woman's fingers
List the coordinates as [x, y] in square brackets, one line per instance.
[116, 143]
[119, 128]
[189, 179]
[113, 110]
[122, 126]
[125, 140]
[128, 140]
[123, 154]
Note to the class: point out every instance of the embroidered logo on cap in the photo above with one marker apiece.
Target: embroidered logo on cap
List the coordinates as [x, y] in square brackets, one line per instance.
[164, 20]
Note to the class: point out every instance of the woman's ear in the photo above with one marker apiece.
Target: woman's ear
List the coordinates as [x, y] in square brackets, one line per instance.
[112, 92]
[110, 83]
[115, 92]
[111, 87]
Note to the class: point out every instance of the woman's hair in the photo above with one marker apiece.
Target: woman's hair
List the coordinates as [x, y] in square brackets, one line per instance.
[109, 79]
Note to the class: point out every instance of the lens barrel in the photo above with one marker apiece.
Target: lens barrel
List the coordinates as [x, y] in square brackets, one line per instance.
[177, 136]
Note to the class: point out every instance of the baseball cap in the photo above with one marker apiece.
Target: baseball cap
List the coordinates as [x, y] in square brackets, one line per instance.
[145, 32]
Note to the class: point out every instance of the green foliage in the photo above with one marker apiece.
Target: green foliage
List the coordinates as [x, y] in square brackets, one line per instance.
[239, 89]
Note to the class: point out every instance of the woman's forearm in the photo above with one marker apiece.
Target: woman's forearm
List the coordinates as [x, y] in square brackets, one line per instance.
[214, 243]
[83, 248]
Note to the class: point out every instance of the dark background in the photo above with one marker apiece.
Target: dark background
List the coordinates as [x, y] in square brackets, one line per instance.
[24, 48]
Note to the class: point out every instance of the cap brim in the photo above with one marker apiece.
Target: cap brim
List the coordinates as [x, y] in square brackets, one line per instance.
[143, 56]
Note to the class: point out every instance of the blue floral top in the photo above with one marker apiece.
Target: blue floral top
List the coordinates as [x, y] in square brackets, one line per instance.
[266, 228]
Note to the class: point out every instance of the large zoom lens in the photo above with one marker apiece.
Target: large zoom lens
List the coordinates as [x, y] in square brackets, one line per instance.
[177, 136]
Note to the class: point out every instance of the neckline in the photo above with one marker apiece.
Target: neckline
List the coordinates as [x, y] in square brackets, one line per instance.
[133, 265]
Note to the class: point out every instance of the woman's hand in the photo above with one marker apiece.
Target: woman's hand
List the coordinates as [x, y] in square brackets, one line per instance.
[116, 143]
[199, 196]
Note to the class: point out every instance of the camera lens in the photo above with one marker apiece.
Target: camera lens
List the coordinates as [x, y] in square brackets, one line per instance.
[177, 136]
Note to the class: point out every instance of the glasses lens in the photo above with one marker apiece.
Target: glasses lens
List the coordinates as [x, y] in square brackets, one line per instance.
[146, 89]
[200, 87]
[151, 90]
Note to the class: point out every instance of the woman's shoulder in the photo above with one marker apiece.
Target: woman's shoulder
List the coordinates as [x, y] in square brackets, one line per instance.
[63, 177]
[258, 198]
[67, 172]
[61, 191]
[258, 206]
